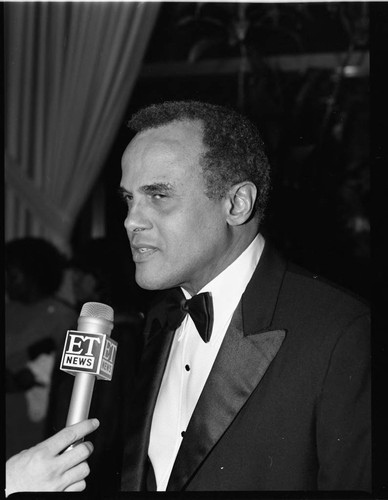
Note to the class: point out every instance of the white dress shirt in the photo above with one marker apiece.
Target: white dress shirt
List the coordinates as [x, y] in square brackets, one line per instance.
[191, 360]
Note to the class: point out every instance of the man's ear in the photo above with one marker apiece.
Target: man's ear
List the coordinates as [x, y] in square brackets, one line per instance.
[240, 202]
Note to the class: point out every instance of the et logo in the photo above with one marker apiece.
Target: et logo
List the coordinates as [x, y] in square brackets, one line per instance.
[93, 353]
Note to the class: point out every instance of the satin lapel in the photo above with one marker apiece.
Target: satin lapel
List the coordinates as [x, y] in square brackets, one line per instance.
[250, 344]
[147, 388]
[238, 369]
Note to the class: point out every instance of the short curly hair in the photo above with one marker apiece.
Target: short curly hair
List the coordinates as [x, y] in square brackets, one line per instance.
[234, 150]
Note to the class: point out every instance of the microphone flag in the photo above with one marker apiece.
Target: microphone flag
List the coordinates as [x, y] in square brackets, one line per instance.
[92, 353]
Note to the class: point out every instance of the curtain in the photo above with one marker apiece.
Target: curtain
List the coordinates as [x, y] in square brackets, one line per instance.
[69, 71]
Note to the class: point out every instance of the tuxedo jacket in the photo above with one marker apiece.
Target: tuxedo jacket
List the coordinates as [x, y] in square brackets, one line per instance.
[286, 405]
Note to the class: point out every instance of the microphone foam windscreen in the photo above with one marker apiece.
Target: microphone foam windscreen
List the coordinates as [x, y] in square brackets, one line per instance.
[97, 310]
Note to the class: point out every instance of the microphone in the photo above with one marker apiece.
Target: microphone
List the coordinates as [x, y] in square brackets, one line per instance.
[89, 352]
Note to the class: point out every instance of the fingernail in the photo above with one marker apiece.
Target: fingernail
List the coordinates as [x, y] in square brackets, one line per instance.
[95, 422]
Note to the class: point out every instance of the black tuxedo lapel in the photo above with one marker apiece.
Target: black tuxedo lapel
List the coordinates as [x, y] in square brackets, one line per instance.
[249, 346]
[238, 369]
[149, 379]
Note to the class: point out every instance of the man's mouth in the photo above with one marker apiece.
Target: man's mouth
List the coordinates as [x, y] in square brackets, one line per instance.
[142, 253]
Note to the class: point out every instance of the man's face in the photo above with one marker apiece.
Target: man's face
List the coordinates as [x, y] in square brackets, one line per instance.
[178, 236]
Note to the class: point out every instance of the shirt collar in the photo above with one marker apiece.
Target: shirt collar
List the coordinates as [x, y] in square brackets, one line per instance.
[227, 288]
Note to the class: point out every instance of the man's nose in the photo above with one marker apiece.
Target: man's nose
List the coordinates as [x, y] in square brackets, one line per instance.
[136, 218]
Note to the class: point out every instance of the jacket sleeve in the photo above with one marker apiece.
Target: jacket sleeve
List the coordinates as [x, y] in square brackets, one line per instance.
[344, 413]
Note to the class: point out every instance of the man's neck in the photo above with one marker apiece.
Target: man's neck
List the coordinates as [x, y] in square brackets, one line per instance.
[234, 252]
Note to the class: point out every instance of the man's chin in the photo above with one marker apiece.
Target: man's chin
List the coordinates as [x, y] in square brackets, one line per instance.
[154, 281]
[148, 283]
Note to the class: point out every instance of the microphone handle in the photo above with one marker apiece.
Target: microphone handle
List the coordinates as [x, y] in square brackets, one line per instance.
[81, 398]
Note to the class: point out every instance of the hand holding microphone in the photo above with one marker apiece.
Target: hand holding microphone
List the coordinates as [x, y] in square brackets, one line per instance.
[45, 468]
[88, 353]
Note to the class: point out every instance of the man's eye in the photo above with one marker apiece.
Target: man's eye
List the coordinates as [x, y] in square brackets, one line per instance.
[127, 198]
[158, 196]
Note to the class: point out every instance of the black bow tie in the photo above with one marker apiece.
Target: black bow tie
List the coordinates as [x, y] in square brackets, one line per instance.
[200, 308]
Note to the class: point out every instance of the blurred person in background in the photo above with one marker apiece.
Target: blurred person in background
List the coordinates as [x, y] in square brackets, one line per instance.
[36, 321]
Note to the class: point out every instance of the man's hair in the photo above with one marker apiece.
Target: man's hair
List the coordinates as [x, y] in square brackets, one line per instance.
[234, 149]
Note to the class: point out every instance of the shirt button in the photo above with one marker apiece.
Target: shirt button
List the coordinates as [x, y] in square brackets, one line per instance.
[187, 368]
[183, 433]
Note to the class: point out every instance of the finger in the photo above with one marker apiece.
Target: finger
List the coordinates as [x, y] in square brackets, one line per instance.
[75, 456]
[76, 475]
[64, 438]
[80, 486]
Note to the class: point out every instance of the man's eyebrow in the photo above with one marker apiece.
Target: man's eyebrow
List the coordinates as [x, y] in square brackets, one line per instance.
[157, 187]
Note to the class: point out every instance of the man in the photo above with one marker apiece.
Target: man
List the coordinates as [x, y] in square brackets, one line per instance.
[266, 387]
[278, 398]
